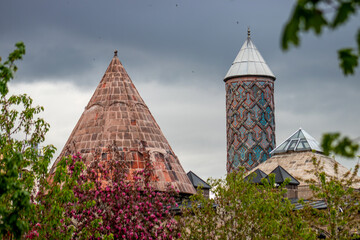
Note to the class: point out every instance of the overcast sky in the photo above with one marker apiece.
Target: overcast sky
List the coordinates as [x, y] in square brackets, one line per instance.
[177, 53]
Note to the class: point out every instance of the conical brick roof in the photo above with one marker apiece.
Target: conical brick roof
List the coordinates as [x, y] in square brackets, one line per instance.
[117, 115]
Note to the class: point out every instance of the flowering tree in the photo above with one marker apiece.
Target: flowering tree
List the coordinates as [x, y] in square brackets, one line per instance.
[104, 201]
[113, 202]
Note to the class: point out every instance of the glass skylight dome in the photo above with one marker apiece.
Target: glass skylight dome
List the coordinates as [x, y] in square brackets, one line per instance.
[298, 142]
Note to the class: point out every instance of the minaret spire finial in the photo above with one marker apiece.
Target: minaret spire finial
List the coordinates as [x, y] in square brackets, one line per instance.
[249, 32]
[115, 53]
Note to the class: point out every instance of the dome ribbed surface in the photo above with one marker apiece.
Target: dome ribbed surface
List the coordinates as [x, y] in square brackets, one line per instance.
[117, 115]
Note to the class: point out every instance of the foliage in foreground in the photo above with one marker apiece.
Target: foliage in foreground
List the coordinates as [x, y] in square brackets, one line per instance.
[244, 211]
[340, 220]
[22, 166]
[49, 204]
[102, 203]
[321, 14]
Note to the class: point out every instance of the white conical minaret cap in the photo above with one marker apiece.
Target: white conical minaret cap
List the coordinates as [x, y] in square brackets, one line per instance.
[249, 62]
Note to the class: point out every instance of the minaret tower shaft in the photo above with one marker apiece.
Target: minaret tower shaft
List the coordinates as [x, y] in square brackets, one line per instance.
[250, 122]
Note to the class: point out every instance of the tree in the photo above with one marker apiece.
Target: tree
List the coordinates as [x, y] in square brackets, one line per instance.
[113, 202]
[52, 199]
[243, 210]
[103, 201]
[22, 165]
[317, 15]
[340, 220]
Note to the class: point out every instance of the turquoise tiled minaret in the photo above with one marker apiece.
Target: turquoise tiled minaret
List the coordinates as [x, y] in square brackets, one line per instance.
[250, 122]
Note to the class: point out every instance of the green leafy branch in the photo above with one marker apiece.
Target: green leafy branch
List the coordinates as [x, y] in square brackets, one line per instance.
[8, 68]
[22, 166]
[317, 15]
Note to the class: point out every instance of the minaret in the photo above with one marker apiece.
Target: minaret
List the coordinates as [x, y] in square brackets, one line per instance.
[250, 123]
[117, 116]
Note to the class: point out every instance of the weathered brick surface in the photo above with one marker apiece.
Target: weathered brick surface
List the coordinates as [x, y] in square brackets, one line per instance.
[116, 114]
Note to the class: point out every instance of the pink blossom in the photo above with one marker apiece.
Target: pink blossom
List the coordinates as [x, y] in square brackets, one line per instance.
[127, 209]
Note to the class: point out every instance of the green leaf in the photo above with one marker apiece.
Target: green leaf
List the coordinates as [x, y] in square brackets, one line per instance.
[290, 35]
[315, 20]
[343, 13]
[291, 30]
[343, 146]
[8, 68]
[305, 16]
[358, 40]
[348, 60]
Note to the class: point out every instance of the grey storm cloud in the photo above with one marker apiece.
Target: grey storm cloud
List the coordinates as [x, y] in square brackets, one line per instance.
[162, 40]
[64, 37]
